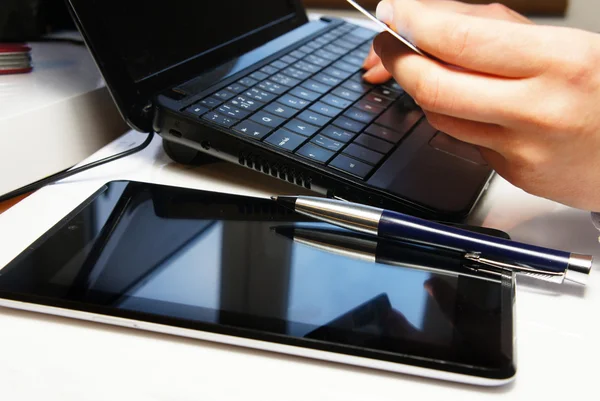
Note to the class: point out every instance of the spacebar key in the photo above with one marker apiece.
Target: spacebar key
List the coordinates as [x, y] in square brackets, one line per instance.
[351, 166]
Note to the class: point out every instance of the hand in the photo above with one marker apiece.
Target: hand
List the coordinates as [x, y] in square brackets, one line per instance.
[376, 72]
[528, 96]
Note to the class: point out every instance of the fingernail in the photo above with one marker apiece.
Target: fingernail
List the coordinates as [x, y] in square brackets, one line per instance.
[385, 12]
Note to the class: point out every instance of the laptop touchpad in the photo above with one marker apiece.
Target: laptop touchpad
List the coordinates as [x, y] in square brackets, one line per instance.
[447, 144]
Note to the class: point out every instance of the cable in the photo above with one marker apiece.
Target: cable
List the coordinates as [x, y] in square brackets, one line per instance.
[68, 173]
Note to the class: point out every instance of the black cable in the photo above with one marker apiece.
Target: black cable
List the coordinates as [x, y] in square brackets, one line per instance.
[68, 173]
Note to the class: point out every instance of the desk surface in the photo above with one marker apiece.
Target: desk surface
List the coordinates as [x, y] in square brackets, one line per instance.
[51, 358]
[63, 359]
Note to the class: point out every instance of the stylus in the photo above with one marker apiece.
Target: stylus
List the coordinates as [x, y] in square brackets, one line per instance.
[488, 254]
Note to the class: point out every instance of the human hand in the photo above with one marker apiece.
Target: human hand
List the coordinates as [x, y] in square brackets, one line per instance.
[376, 72]
[528, 96]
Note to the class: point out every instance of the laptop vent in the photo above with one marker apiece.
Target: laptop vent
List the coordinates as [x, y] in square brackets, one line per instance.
[277, 170]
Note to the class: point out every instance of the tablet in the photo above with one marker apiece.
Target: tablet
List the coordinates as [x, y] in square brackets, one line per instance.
[244, 271]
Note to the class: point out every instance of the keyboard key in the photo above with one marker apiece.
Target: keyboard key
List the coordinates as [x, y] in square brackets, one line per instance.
[224, 95]
[327, 143]
[327, 79]
[326, 54]
[197, 109]
[230, 110]
[293, 101]
[364, 154]
[361, 87]
[219, 119]
[298, 54]
[285, 140]
[354, 60]
[335, 49]
[259, 94]
[336, 101]
[278, 64]
[315, 153]
[384, 133]
[259, 76]
[272, 87]
[280, 110]
[334, 72]
[393, 85]
[325, 109]
[385, 92]
[322, 41]
[269, 70]
[306, 49]
[338, 134]
[351, 166]
[347, 94]
[314, 118]
[314, 45]
[360, 115]
[267, 119]
[316, 86]
[349, 68]
[348, 124]
[345, 44]
[369, 107]
[354, 39]
[399, 119]
[252, 129]
[302, 128]
[305, 94]
[246, 103]
[363, 33]
[296, 73]
[360, 54]
[316, 60]
[380, 100]
[330, 36]
[236, 88]
[210, 102]
[373, 143]
[284, 80]
[247, 81]
[289, 59]
[310, 68]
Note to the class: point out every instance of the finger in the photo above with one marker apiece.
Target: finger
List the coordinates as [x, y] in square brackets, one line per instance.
[491, 11]
[371, 60]
[486, 45]
[486, 135]
[444, 90]
[377, 75]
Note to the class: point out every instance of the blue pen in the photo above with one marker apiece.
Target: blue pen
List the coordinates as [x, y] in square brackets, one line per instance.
[485, 253]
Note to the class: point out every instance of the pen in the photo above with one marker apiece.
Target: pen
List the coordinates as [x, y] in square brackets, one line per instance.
[488, 254]
[379, 250]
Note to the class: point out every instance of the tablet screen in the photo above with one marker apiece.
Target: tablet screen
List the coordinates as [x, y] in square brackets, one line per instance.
[245, 267]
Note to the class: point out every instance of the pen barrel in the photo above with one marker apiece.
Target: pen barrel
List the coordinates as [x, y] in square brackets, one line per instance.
[400, 226]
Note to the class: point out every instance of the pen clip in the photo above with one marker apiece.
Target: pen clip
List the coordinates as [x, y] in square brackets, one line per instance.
[501, 268]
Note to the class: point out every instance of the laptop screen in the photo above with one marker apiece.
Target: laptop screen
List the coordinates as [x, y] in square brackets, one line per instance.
[153, 36]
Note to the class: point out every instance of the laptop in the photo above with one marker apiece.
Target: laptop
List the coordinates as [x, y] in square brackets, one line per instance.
[259, 85]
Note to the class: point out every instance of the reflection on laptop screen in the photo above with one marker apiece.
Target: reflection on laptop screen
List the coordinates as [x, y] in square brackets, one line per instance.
[152, 36]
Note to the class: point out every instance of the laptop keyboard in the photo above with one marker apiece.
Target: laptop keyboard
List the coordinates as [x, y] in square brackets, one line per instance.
[313, 103]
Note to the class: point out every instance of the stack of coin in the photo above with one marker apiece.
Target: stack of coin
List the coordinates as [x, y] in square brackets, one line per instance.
[14, 58]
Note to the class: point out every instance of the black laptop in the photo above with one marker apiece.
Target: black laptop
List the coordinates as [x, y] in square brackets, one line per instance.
[256, 84]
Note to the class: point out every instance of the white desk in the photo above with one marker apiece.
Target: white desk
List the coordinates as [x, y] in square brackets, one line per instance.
[51, 358]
